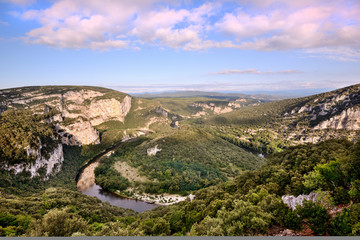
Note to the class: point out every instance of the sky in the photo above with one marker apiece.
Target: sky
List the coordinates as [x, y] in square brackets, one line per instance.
[137, 46]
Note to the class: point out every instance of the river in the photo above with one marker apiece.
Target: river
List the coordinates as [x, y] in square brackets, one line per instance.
[86, 184]
[106, 196]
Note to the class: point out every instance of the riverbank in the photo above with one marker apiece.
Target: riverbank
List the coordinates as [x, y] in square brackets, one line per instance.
[160, 199]
[86, 179]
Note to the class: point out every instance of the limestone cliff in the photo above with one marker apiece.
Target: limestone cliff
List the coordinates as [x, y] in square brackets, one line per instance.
[52, 163]
[348, 119]
[78, 109]
[80, 132]
[221, 106]
[108, 109]
[329, 115]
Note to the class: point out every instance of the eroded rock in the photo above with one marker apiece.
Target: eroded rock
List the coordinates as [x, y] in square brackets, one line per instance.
[52, 164]
[82, 133]
[349, 119]
[293, 201]
[153, 151]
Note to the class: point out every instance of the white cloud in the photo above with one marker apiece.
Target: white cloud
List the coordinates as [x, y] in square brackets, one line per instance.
[285, 85]
[254, 71]
[237, 71]
[285, 3]
[289, 72]
[311, 27]
[84, 23]
[319, 27]
[338, 53]
[161, 27]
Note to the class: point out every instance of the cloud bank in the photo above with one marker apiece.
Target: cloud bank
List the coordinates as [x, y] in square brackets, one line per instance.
[231, 86]
[254, 71]
[319, 28]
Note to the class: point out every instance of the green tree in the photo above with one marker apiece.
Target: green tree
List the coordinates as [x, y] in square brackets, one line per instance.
[161, 227]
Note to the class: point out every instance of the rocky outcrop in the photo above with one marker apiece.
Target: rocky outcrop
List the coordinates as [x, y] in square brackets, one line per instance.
[215, 109]
[52, 164]
[237, 103]
[87, 107]
[293, 201]
[349, 119]
[108, 109]
[331, 115]
[82, 132]
[161, 111]
[3, 107]
[174, 124]
[78, 97]
[153, 151]
[220, 110]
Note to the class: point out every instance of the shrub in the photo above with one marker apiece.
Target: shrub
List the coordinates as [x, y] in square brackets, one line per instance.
[317, 217]
[292, 221]
[341, 196]
[340, 225]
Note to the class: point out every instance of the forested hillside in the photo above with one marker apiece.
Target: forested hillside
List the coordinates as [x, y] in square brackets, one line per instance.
[250, 204]
[185, 160]
[176, 147]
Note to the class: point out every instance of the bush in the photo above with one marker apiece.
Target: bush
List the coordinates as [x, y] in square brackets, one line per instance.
[340, 225]
[60, 223]
[292, 221]
[317, 217]
[161, 227]
[355, 190]
[354, 214]
[341, 196]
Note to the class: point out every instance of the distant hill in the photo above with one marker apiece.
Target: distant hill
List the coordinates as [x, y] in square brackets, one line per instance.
[273, 126]
[187, 94]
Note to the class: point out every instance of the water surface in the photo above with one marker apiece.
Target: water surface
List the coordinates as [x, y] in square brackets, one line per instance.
[106, 196]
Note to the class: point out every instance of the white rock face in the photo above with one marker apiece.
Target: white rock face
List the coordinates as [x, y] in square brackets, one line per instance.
[79, 96]
[153, 151]
[191, 197]
[52, 164]
[215, 109]
[305, 109]
[108, 109]
[77, 104]
[83, 133]
[349, 119]
[219, 110]
[293, 201]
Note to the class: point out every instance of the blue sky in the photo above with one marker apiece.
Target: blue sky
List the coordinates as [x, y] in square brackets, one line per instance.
[152, 46]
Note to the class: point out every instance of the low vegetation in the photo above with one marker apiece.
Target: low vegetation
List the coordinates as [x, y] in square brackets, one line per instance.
[250, 204]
